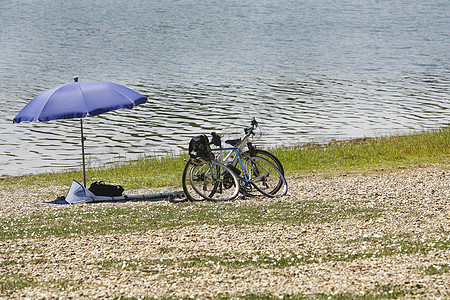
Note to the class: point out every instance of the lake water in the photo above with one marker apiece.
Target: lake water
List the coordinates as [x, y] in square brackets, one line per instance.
[307, 70]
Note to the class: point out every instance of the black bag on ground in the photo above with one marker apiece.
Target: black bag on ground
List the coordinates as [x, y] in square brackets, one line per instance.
[199, 148]
[99, 188]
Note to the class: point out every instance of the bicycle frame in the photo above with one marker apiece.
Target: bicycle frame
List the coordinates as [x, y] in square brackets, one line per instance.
[239, 148]
[248, 178]
[236, 159]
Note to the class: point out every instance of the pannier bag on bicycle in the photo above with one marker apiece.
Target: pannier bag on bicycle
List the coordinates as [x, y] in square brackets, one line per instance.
[199, 148]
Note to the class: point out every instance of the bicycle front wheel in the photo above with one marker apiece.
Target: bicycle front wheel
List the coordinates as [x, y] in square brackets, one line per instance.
[214, 181]
[265, 177]
[267, 155]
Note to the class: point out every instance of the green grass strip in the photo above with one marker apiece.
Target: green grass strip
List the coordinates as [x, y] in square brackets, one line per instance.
[369, 153]
[415, 149]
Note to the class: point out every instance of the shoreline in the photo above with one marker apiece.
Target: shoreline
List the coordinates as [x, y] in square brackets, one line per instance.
[306, 145]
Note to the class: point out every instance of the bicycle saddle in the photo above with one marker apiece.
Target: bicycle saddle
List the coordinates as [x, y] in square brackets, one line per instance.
[233, 142]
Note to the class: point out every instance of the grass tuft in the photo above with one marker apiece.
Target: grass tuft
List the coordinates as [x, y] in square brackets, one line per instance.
[428, 147]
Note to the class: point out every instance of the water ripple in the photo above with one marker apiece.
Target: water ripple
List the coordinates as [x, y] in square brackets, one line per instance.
[306, 71]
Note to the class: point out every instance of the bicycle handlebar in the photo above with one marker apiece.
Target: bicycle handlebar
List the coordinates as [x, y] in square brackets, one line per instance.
[254, 122]
[249, 130]
[216, 138]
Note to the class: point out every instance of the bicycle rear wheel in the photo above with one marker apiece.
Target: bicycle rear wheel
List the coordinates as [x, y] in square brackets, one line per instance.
[265, 177]
[214, 181]
[189, 192]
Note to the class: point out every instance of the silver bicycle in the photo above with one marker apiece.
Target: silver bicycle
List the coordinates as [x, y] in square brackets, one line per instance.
[220, 174]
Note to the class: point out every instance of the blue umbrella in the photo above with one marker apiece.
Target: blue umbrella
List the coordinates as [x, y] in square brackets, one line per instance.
[76, 100]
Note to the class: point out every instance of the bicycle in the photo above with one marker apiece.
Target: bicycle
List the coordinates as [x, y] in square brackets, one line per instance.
[241, 143]
[222, 178]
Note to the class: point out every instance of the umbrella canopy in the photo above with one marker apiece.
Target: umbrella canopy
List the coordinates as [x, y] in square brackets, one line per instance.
[77, 100]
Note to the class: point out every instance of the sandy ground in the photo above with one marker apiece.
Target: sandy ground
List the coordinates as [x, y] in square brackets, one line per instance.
[350, 256]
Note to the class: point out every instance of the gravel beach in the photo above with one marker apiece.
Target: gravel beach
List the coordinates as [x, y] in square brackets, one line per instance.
[399, 248]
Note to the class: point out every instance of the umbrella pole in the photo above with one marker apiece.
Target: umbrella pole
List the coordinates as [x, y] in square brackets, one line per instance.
[82, 153]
